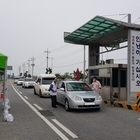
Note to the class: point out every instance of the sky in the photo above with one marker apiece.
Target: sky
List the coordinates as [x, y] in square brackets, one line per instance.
[29, 27]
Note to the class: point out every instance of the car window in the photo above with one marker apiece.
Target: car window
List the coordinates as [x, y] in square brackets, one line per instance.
[63, 85]
[38, 80]
[78, 87]
[47, 81]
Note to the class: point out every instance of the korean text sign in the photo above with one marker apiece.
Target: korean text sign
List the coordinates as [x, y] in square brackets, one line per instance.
[134, 61]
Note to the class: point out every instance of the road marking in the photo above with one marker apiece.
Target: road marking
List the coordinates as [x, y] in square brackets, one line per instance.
[139, 119]
[43, 118]
[38, 107]
[20, 92]
[65, 129]
[26, 97]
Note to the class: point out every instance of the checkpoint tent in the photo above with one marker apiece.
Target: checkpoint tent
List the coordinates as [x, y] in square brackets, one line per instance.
[3, 67]
[3, 62]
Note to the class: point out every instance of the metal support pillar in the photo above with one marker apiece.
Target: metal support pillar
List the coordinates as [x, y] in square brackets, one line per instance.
[128, 64]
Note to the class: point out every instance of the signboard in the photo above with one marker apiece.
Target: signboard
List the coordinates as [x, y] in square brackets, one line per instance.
[134, 61]
[9, 68]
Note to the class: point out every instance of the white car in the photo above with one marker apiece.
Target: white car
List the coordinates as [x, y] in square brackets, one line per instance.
[42, 84]
[28, 82]
[20, 81]
[15, 80]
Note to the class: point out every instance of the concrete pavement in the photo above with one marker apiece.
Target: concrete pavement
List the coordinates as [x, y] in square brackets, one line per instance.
[26, 125]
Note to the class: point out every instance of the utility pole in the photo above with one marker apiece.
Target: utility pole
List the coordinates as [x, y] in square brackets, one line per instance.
[84, 65]
[28, 66]
[47, 57]
[32, 59]
[128, 65]
[23, 68]
[19, 70]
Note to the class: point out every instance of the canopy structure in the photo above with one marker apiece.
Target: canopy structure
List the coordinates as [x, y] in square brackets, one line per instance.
[101, 31]
[3, 62]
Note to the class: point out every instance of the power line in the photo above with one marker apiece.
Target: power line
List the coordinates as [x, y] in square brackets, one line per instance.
[69, 54]
[41, 62]
[136, 20]
[65, 65]
[69, 65]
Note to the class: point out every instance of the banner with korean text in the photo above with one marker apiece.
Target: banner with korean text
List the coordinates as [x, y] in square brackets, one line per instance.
[134, 61]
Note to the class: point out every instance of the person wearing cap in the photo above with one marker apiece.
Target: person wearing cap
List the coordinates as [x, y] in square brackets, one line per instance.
[96, 85]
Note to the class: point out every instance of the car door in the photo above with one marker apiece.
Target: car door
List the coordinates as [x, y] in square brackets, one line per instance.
[37, 85]
[62, 93]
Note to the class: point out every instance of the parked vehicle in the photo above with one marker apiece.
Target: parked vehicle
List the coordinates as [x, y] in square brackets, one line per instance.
[20, 81]
[78, 95]
[28, 82]
[15, 80]
[42, 84]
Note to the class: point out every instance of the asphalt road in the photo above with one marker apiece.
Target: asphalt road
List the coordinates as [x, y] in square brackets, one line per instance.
[35, 119]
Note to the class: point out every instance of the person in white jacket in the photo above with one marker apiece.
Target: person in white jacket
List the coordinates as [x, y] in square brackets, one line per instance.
[53, 92]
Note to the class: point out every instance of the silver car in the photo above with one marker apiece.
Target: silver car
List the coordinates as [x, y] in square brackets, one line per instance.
[77, 95]
[28, 82]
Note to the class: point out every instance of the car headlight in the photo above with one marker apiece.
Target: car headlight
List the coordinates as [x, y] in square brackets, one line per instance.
[44, 89]
[75, 98]
[98, 98]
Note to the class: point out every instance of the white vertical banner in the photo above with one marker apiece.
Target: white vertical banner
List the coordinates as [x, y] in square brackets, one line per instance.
[134, 61]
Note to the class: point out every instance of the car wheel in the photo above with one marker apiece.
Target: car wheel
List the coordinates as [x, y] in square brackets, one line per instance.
[67, 108]
[40, 94]
[34, 91]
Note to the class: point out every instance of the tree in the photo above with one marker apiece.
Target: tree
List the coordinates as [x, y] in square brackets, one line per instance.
[20, 74]
[26, 74]
[58, 75]
[29, 75]
[48, 71]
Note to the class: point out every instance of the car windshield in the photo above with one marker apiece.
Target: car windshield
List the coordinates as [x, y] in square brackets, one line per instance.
[77, 87]
[46, 81]
[29, 80]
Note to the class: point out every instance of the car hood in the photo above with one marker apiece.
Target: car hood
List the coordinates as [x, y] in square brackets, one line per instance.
[29, 82]
[45, 86]
[84, 94]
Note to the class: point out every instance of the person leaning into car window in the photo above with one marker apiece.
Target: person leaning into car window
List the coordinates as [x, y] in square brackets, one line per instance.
[53, 92]
[96, 85]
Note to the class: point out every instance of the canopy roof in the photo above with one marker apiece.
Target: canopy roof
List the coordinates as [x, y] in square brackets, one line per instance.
[3, 61]
[101, 31]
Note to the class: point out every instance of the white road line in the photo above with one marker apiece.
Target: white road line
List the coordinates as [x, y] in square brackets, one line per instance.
[139, 119]
[20, 92]
[26, 97]
[65, 129]
[42, 117]
[38, 107]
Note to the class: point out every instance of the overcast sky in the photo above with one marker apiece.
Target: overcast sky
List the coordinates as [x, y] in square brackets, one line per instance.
[29, 27]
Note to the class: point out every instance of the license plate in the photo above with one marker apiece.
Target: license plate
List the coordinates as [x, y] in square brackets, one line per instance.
[89, 103]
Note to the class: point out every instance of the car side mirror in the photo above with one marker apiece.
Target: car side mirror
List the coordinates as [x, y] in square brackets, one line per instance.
[62, 89]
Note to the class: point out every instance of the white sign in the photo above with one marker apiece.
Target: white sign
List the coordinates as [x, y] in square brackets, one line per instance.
[134, 61]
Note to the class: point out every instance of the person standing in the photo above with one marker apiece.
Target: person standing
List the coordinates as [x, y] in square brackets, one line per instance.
[96, 85]
[53, 92]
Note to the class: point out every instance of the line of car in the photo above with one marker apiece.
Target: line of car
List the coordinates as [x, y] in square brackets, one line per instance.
[71, 94]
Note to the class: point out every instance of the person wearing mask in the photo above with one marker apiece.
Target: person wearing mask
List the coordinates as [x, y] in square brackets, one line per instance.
[96, 85]
[53, 93]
